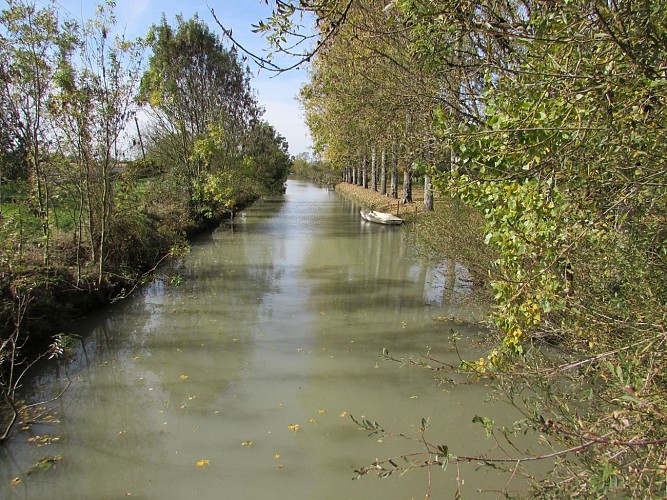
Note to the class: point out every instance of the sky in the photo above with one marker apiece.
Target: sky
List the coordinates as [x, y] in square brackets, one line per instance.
[275, 93]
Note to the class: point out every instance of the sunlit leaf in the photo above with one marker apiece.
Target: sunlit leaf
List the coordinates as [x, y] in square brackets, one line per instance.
[247, 443]
[294, 427]
[276, 456]
[16, 481]
[183, 377]
[203, 462]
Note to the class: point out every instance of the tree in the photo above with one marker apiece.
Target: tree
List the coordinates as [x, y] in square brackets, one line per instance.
[194, 87]
[29, 48]
[266, 151]
[565, 160]
[93, 105]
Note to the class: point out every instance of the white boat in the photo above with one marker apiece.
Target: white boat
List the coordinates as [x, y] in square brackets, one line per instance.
[381, 217]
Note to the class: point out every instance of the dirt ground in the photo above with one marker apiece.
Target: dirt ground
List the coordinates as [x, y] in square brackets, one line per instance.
[374, 200]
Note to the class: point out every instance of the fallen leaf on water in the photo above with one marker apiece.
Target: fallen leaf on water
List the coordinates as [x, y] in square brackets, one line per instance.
[203, 462]
[276, 456]
[313, 420]
[44, 464]
[184, 377]
[321, 412]
[16, 481]
[42, 440]
[344, 414]
[294, 427]
[247, 443]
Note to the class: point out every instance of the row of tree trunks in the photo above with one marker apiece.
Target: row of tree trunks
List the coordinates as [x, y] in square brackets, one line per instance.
[377, 177]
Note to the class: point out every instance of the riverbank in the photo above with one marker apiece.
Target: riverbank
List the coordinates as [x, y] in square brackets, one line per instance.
[38, 298]
[451, 231]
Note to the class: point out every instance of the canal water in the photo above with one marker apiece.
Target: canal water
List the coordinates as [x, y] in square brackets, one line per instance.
[236, 375]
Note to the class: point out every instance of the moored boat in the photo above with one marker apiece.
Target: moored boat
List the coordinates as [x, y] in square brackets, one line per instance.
[381, 217]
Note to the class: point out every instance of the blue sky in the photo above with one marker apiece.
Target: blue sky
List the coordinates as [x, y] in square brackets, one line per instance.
[275, 93]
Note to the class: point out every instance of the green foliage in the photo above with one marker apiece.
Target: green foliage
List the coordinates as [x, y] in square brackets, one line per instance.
[267, 157]
[203, 108]
[552, 114]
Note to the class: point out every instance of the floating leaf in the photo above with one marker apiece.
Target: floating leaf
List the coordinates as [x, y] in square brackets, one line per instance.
[16, 481]
[294, 427]
[321, 412]
[203, 462]
[344, 414]
[247, 443]
[42, 440]
[276, 456]
[183, 377]
[44, 464]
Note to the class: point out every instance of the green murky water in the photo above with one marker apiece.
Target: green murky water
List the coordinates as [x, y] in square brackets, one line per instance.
[240, 382]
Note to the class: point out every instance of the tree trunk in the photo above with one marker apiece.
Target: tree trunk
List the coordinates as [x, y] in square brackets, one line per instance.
[383, 171]
[428, 194]
[364, 173]
[374, 169]
[394, 171]
[407, 187]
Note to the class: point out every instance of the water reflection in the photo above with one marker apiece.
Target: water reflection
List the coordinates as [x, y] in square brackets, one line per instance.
[253, 365]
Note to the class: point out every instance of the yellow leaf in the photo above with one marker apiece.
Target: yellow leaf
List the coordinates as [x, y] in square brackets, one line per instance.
[247, 443]
[203, 462]
[184, 377]
[276, 456]
[321, 412]
[294, 427]
[344, 414]
[16, 481]
[312, 420]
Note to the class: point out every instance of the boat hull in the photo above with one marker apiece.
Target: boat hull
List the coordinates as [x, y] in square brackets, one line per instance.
[381, 218]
